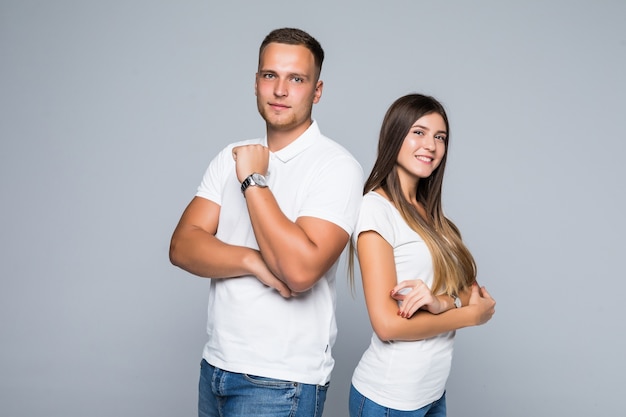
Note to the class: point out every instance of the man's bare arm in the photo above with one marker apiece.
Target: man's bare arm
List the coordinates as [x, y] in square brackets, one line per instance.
[299, 252]
[195, 249]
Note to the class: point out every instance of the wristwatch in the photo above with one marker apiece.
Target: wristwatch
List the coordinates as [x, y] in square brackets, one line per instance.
[253, 179]
[456, 300]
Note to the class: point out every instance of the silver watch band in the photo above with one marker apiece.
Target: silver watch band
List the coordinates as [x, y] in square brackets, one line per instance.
[253, 179]
[456, 300]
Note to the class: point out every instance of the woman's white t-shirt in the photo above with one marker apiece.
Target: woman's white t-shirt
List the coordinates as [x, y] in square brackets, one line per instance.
[399, 374]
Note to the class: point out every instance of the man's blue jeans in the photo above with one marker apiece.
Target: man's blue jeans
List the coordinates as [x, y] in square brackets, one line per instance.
[361, 406]
[229, 394]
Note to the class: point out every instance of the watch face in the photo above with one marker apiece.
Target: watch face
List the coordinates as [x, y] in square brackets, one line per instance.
[259, 180]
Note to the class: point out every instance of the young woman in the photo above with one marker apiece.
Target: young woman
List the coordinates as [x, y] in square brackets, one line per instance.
[419, 279]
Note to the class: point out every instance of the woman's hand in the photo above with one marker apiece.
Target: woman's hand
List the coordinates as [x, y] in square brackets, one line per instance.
[418, 296]
[483, 305]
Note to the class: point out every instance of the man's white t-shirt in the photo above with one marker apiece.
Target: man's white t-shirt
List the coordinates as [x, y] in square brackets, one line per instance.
[251, 328]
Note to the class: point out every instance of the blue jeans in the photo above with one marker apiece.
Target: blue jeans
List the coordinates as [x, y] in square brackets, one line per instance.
[229, 394]
[360, 406]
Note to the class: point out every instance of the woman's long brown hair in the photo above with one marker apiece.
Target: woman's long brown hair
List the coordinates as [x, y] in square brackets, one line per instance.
[453, 264]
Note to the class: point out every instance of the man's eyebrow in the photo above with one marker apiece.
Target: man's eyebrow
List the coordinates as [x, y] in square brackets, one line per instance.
[292, 74]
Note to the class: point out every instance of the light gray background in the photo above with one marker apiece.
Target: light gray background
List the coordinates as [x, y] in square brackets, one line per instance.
[111, 110]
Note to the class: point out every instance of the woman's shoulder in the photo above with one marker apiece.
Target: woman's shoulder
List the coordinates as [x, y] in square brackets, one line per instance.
[376, 196]
[377, 207]
[377, 214]
[377, 200]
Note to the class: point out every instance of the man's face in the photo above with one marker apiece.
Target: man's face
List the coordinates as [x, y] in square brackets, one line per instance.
[286, 87]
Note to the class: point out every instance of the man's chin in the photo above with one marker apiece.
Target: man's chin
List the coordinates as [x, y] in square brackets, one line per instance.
[278, 125]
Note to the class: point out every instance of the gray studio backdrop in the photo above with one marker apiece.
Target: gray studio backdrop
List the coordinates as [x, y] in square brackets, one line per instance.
[111, 110]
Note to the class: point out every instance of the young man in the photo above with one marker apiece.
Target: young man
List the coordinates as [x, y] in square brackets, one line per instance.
[267, 225]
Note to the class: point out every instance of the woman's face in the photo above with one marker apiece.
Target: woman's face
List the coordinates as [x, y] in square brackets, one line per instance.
[423, 147]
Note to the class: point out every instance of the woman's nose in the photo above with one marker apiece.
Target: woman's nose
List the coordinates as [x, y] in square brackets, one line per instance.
[428, 142]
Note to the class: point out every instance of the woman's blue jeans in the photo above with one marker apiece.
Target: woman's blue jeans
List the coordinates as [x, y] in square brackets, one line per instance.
[360, 406]
[229, 394]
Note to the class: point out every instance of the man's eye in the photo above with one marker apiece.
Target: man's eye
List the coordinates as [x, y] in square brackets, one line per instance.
[298, 79]
[268, 75]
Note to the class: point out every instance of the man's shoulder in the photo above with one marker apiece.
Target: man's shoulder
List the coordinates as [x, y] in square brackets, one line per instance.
[244, 142]
[331, 148]
[336, 162]
[227, 150]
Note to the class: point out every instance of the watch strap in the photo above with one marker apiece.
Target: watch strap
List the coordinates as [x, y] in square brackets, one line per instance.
[456, 301]
[246, 183]
[250, 181]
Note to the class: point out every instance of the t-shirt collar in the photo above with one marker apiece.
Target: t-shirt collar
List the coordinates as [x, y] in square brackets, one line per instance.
[305, 140]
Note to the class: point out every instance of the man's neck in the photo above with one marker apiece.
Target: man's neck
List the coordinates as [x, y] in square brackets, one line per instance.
[278, 139]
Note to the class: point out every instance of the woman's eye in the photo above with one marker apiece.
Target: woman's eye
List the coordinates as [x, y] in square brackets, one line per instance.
[418, 132]
[440, 137]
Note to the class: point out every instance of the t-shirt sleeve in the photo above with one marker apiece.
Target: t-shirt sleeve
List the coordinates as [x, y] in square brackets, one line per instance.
[212, 182]
[334, 192]
[375, 215]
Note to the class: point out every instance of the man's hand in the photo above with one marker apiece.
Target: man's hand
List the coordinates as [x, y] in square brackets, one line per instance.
[250, 159]
[263, 274]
